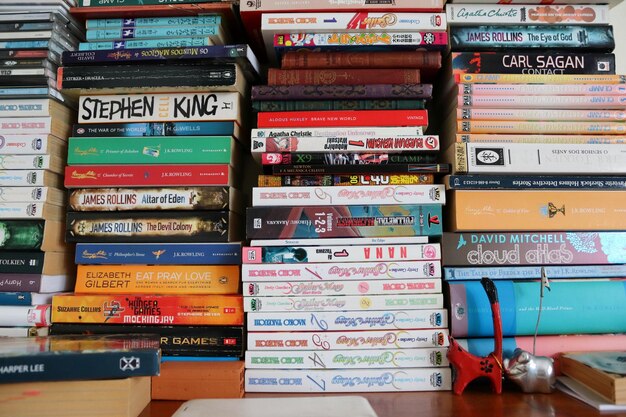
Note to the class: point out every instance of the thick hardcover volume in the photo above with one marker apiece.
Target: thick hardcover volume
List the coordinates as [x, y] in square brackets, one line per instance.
[344, 302]
[357, 195]
[351, 380]
[152, 21]
[524, 182]
[147, 175]
[342, 92]
[157, 279]
[374, 287]
[326, 254]
[344, 144]
[406, 59]
[347, 320]
[172, 198]
[176, 310]
[351, 340]
[349, 76]
[541, 127]
[541, 248]
[539, 210]
[206, 341]
[343, 221]
[539, 113]
[501, 14]
[158, 253]
[346, 180]
[534, 272]
[24, 316]
[156, 129]
[600, 102]
[152, 150]
[31, 235]
[32, 144]
[571, 307]
[543, 158]
[553, 62]
[316, 105]
[497, 38]
[361, 41]
[159, 107]
[150, 226]
[325, 159]
[397, 168]
[343, 118]
[78, 357]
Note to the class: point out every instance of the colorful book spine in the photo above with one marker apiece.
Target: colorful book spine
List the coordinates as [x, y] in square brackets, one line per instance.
[328, 159]
[532, 272]
[157, 279]
[541, 127]
[349, 76]
[325, 288]
[502, 14]
[350, 132]
[35, 283]
[25, 316]
[343, 118]
[391, 168]
[347, 359]
[557, 83]
[358, 195]
[352, 21]
[149, 226]
[327, 254]
[383, 59]
[564, 37]
[22, 234]
[571, 307]
[345, 144]
[543, 158]
[22, 298]
[147, 175]
[352, 380]
[151, 150]
[341, 92]
[546, 114]
[159, 107]
[340, 241]
[146, 43]
[156, 129]
[343, 221]
[344, 302]
[26, 44]
[152, 32]
[534, 248]
[365, 41]
[586, 88]
[503, 138]
[524, 182]
[539, 210]
[347, 320]
[346, 180]
[557, 102]
[132, 22]
[304, 105]
[174, 310]
[158, 253]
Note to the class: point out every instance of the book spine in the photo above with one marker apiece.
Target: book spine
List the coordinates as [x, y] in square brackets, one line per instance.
[502, 14]
[22, 234]
[25, 316]
[533, 248]
[350, 221]
[363, 40]
[122, 3]
[351, 132]
[340, 241]
[29, 144]
[345, 118]
[304, 105]
[30, 211]
[352, 21]
[26, 27]
[259, 6]
[146, 175]
[159, 107]
[33, 125]
[350, 340]
[151, 150]
[157, 279]
[532, 63]
[158, 253]
[155, 129]
[391, 59]
[145, 43]
[541, 127]
[21, 262]
[151, 32]
[345, 180]
[327, 254]
[308, 169]
[24, 72]
[22, 162]
[557, 102]
[345, 144]
[332, 196]
[204, 226]
[326, 288]
[152, 21]
[20, 282]
[586, 88]
[339, 92]
[351, 76]
[174, 310]
[531, 272]
[523, 182]
[351, 380]
[347, 359]
[498, 38]
[24, 194]
[126, 199]
[542, 210]
[343, 302]
[25, 108]
[26, 44]
[15, 298]
[561, 311]
[519, 114]
[595, 82]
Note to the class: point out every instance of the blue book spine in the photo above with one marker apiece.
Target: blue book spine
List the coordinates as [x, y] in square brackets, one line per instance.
[534, 272]
[569, 307]
[147, 43]
[31, 91]
[527, 182]
[158, 254]
[155, 129]
[15, 299]
[152, 32]
[41, 44]
[152, 21]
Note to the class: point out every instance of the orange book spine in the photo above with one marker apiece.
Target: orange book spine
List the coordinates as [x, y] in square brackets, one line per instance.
[157, 279]
[391, 59]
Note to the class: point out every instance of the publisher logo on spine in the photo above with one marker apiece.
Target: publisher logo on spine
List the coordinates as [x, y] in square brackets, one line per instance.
[489, 156]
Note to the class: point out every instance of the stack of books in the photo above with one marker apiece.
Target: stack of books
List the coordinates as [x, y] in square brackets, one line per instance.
[35, 120]
[538, 147]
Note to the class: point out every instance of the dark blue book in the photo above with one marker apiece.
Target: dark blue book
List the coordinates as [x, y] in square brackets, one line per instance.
[534, 182]
[73, 357]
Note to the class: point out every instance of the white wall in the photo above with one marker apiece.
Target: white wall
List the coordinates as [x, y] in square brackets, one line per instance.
[618, 20]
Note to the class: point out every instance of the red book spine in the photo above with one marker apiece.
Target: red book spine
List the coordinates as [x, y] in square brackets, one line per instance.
[342, 118]
[146, 175]
[391, 59]
[277, 76]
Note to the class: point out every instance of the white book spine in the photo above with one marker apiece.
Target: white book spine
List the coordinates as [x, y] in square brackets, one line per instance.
[25, 108]
[508, 14]
[38, 315]
[24, 144]
[340, 241]
[324, 288]
[23, 194]
[345, 144]
[17, 178]
[586, 102]
[21, 210]
[26, 125]
[307, 132]
[543, 89]
[24, 161]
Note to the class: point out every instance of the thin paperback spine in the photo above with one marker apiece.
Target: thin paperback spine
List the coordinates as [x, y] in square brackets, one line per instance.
[543, 88]
[352, 21]
[25, 108]
[524, 182]
[325, 288]
[345, 144]
[345, 180]
[351, 132]
[541, 127]
[519, 114]
[365, 41]
[259, 6]
[36, 282]
[343, 118]
[392, 168]
[521, 272]
[33, 125]
[14, 262]
[345, 158]
[343, 302]
[29, 178]
[25, 194]
[155, 129]
[25, 316]
[32, 144]
[586, 102]
[597, 83]
[146, 43]
[31, 211]
[156, 32]
[339, 241]
[152, 21]
[512, 14]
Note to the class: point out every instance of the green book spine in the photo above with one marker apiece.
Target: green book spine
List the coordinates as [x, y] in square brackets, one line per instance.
[312, 105]
[21, 234]
[151, 150]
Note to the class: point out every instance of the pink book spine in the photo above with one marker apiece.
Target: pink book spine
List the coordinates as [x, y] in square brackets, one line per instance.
[334, 5]
[540, 114]
[552, 127]
[552, 102]
[543, 89]
[582, 139]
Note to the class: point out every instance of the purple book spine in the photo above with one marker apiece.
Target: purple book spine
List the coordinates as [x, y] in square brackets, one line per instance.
[342, 92]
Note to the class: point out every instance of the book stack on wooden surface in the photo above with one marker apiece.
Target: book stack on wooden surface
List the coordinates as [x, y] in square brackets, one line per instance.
[35, 120]
[537, 142]
[155, 192]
